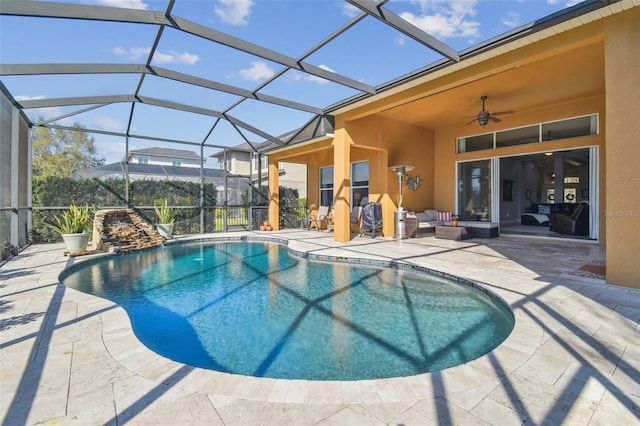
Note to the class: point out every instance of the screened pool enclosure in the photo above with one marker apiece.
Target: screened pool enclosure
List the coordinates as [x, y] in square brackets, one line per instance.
[184, 76]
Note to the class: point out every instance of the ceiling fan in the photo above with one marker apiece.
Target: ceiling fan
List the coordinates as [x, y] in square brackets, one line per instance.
[484, 116]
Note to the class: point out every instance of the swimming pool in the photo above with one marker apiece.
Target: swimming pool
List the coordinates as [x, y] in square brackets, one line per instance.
[252, 308]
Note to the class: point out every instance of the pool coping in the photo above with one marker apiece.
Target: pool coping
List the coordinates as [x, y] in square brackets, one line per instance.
[572, 356]
[125, 347]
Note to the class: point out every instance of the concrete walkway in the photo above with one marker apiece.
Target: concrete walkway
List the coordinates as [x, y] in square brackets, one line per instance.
[573, 357]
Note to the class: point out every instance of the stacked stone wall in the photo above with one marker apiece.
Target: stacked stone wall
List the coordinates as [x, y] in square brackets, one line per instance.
[122, 230]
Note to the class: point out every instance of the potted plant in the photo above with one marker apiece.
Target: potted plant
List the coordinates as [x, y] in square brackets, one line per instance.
[454, 220]
[165, 219]
[73, 227]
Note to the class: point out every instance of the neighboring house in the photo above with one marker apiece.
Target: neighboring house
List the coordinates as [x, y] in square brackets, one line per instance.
[157, 164]
[166, 164]
[243, 161]
[164, 157]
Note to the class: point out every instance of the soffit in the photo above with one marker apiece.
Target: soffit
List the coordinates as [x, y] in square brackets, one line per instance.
[560, 78]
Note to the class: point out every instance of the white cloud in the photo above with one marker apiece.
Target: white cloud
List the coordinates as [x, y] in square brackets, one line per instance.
[258, 71]
[29, 98]
[172, 57]
[35, 114]
[141, 53]
[400, 40]
[107, 123]
[128, 4]
[234, 12]
[133, 54]
[445, 19]
[349, 10]
[112, 148]
[511, 20]
[297, 76]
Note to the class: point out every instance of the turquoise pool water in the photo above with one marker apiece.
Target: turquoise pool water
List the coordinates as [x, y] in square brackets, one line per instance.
[251, 308]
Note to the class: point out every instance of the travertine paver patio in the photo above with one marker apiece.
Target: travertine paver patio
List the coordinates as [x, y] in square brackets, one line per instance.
[572, 358]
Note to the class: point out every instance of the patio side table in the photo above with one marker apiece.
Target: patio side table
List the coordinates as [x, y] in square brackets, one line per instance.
[457, 233]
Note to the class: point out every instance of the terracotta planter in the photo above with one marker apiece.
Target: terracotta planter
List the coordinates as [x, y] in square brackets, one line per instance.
[269, 228]
[454, 223]
[263, 228]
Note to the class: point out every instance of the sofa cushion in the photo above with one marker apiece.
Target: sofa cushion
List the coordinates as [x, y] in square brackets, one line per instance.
[431, 214]
[430, 224]
[542, 209]
[422, 217]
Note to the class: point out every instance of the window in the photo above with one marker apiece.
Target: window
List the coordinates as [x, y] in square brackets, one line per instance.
[474, 188]
[561, 129]
[263, 161]
[326, 186]
[143, 160]
[475, 143]
[359, 182]
[177, 163]
[520, 136]
[571, 128]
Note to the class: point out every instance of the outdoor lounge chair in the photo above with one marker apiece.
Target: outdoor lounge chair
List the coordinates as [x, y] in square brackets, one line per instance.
[316, 220]
[354, 219]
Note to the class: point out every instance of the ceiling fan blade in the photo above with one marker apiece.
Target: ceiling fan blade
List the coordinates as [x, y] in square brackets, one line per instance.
[502, 112]
[472, 121]
[494, 119]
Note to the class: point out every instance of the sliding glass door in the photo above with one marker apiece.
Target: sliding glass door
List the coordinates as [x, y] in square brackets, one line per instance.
[474, 189]
[503, 189]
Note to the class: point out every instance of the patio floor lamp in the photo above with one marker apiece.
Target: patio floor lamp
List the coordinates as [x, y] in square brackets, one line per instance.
[400, 172]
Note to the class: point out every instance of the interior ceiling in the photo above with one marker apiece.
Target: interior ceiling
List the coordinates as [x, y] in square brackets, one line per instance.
[546, 81]
[523, 87]
[573, 158]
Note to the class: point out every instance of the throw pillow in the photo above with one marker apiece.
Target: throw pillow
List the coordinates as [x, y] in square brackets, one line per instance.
[444, 216]
[544, 209]
[422, 217]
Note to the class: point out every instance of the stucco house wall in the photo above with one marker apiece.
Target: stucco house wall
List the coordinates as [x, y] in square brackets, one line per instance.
[586, 67]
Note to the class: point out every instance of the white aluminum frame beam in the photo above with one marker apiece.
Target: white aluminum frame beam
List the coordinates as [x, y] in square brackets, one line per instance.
[391, 19]
[114, 14]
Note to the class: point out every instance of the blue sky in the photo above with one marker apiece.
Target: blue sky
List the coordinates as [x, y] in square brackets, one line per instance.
[369, 53]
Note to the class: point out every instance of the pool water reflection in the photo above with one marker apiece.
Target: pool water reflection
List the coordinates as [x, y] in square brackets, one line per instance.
[252, 308]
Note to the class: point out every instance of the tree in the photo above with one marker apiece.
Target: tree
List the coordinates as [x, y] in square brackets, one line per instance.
[58, 152]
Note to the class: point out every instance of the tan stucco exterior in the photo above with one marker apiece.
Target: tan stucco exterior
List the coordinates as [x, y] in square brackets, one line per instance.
[574, 70]
[622, 176]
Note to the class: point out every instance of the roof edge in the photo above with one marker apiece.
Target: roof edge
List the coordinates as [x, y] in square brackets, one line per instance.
[446, 66]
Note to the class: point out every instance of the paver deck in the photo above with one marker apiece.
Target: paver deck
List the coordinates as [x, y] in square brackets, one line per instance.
[573, 357]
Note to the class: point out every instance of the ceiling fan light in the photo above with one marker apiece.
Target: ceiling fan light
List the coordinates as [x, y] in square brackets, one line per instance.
[483, 118]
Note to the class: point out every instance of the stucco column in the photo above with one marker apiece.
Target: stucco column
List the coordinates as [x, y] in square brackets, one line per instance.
[341, 185]
[274, 194]
[622, 208]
